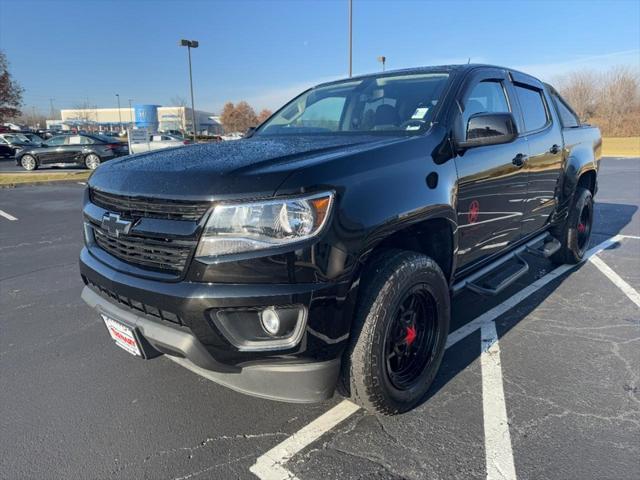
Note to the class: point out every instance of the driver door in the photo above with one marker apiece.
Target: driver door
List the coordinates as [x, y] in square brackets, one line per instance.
[492, 185]
[53, 151]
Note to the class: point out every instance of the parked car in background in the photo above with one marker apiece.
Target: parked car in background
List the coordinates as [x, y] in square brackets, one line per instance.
[12, 143]
[33, 138]
[159, 141]
[173, 133]
[86, 150]
[232, 136]
[110, 134]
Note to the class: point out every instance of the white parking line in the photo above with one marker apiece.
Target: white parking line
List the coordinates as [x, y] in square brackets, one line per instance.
[497, 439]
[628, 290]
[7, 216]
[270, 466]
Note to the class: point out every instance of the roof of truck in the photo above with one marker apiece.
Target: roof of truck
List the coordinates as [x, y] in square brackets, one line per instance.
[458, 68]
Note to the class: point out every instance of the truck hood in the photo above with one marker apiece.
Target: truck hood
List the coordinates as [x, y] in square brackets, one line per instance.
[249, 167]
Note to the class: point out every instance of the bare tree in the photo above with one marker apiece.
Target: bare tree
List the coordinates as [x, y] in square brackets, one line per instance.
[85, 113]
[619, 98]
[580, 89]
[181, 103]
[178, 101]
[10, 92]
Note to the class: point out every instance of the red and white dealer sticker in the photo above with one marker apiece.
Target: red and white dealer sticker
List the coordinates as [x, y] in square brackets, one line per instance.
[122, 335]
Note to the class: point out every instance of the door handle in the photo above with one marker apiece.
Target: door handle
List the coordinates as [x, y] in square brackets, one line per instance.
[555, 148]
[519, 160]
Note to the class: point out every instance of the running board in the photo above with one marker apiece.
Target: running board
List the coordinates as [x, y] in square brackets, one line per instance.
[513, 274]
[473, 278]
[548, 248]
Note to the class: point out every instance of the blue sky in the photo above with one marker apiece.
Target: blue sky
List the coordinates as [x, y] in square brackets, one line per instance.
[267, 51]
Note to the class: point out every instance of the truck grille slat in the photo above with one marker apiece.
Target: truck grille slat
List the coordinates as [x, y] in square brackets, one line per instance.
[169, 257]
[149, 207]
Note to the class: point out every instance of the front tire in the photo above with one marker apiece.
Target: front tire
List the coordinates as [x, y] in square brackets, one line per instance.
[399, 333]
[575, 233]
[29, 162]
[92, 161]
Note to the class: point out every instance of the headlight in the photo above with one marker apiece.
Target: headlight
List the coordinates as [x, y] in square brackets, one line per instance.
[247, 227]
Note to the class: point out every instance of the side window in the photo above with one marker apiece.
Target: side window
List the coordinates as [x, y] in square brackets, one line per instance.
[3, 141]
[486, 97]
[79, 140]
[324, 113]
[533, 107]
[57, 141]
[567, 117]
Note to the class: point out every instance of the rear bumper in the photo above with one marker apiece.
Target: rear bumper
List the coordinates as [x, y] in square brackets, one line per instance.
[285, 381]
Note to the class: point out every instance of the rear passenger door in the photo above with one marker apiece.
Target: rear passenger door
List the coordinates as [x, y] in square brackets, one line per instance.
[543, 132]
[492, 184]
[75, 148]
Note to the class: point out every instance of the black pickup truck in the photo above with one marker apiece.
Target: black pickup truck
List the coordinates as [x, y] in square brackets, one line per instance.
[324, 250]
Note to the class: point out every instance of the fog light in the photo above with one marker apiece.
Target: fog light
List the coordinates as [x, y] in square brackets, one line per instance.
[270, 321]
[275, 327]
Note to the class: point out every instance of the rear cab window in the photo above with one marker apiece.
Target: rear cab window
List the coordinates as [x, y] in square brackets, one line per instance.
[567, 116]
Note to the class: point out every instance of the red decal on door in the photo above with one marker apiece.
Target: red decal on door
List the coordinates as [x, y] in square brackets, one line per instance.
[474, 210]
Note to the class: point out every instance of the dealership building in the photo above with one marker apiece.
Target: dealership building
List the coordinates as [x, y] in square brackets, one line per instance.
[153, 117]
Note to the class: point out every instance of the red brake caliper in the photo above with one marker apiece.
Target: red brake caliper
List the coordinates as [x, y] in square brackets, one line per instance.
[411, 335]
[581, 227]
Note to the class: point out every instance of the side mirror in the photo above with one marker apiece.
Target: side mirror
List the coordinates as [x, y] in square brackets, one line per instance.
[44, 145]
[489, 129]
[250, 131]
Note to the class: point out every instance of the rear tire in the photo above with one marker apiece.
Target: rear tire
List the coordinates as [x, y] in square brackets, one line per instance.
[29, 162]
[92, 161]
[399, 333]
[575, 233]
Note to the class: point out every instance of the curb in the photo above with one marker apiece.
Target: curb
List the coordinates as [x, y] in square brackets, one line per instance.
[14, 179]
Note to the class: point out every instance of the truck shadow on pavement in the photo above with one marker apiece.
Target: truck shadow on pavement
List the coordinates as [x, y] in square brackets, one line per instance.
[609, 220]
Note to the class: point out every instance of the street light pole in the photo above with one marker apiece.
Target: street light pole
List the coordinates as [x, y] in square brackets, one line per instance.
[382, 59]
[350, 37]
[191, 44]
[130, 114]
[119, 113]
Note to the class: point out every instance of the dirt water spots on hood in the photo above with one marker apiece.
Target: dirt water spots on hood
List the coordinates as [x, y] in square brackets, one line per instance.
[226, 157]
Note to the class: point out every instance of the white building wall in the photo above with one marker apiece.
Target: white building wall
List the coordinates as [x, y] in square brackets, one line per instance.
[169, 118]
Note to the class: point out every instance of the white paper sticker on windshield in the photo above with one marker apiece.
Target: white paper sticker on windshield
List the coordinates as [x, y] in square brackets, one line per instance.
[420, 113]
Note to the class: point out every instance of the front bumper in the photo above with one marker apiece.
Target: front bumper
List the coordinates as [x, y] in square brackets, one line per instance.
[289, 382]
[174, 321]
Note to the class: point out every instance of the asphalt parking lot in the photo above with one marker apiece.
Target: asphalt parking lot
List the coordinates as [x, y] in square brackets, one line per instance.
[557, 396]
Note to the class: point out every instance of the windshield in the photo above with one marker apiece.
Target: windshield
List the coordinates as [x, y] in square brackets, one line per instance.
[392, 104]
[16, 138]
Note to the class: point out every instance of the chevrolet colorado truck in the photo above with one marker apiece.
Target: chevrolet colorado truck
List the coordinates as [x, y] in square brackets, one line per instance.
[323, 251]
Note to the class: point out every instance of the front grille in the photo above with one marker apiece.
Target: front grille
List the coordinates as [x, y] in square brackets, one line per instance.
[158, 254]
[149, 207]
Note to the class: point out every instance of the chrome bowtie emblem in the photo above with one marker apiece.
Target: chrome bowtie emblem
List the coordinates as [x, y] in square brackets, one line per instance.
[114, 225]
